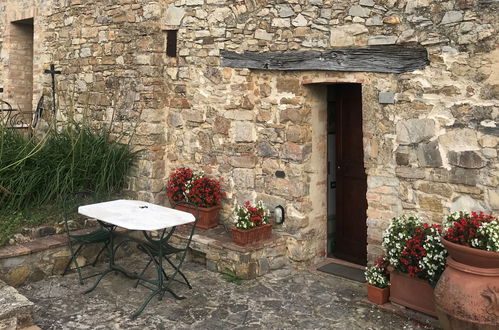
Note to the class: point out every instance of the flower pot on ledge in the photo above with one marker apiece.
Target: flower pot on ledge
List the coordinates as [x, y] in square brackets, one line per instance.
[248, 236]
[208, 216]
[412, 292]
[377, 295]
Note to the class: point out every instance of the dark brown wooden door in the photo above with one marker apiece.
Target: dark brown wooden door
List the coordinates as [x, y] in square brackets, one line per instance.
[351, 180]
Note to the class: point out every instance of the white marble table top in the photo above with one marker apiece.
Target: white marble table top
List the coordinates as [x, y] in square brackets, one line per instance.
[136, 215]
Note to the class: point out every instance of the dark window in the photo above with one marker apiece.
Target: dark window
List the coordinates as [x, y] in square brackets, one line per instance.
[171, 43]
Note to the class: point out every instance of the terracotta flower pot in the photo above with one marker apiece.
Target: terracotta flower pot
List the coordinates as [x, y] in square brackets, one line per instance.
[208, 216]
[377, 295]
[467, 294]
[411, 292]
[471, 256]
[245, 237]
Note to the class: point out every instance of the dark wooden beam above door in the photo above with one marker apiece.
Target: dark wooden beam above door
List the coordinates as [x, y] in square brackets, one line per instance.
[385, 59]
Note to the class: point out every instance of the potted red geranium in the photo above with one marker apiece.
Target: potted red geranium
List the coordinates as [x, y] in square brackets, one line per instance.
[466, 294]
[187, 185]
[251, 223]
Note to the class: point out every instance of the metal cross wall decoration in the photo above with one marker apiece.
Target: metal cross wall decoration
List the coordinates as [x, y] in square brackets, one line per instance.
[53, 72]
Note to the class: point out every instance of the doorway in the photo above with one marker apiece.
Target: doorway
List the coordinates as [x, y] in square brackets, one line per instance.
[19, 85]
[347, 179]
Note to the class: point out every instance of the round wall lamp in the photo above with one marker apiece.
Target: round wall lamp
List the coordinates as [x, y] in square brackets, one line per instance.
[279, 214]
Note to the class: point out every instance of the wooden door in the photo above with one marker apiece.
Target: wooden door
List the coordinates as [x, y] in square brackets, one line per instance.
[351, 179]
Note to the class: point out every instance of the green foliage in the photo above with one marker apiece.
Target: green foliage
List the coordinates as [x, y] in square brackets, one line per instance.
[37, 172]
[34, 172]
[11, 221]
[231, 276]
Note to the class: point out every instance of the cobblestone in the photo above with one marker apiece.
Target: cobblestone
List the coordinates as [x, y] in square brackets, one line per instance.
[284, 299]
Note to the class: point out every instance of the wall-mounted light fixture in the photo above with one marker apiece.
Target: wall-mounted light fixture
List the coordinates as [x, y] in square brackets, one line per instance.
[279, 214]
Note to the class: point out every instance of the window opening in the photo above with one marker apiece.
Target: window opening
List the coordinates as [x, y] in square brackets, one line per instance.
[171, 43]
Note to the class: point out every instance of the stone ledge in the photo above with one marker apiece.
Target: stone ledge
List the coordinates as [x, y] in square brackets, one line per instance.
[215, 249]
[46, 256]
[38, 244]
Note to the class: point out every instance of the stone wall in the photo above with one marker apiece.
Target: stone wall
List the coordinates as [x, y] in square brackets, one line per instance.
[433, 150]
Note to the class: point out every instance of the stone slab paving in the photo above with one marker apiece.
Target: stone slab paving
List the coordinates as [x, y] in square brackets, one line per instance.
[284, 299]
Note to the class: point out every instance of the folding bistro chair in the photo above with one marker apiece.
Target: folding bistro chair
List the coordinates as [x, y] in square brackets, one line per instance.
[100, 235]
[174, 255]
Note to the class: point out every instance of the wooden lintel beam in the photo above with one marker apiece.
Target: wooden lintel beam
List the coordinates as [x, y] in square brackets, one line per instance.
[385, 59]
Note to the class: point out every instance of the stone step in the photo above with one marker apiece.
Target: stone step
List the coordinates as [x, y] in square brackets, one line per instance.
[15, 309]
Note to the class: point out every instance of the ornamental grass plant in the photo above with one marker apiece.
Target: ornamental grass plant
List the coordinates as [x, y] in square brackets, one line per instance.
[36, 173]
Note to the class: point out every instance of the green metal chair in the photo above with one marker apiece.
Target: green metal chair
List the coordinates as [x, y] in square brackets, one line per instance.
[174, 255]
[100, 235]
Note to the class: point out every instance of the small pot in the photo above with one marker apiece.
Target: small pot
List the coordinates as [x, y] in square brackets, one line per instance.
[377, 295]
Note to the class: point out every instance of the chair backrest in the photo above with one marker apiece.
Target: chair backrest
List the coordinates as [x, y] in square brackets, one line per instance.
[72, 219]
[195, 213]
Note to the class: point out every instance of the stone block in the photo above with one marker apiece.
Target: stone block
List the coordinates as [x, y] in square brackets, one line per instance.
[462, 139]
[296, 152]
[415, 130]
[437, 188]
[244, 178]
[243, 131]
[263, 266]
[18, 275]
[408, 172]
[380, 181]
[391, 20]
[429, 154]
[293, 115]
[288, 85]
[263, 35]
[464, 176]
[345, 35]
[278, 263]
[489, 153]
[299, 21]
[243, 161]
[489, 141]
[297, 134]
[466, 203]
[453, 16]
[174, 15]
[386, 98]
[285, 10]
[359, 11]
[367, 3]
[493, 198]
[382, 40]
[466, 159]
[402, 155]
[281, 22]
[374, 21]
[430, 202]
[265, 149]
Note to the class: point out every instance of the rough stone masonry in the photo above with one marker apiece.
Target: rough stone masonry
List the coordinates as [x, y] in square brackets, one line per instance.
[430, 146]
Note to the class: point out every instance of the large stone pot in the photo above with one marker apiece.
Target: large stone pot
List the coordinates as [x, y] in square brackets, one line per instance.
[467, 294]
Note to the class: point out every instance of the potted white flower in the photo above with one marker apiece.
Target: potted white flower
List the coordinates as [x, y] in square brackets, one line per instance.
[378, 284]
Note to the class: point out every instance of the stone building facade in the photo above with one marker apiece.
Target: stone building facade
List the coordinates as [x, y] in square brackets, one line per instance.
[429, 137]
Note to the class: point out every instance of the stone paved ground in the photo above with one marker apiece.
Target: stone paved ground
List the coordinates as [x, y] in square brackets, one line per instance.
[286, 299]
